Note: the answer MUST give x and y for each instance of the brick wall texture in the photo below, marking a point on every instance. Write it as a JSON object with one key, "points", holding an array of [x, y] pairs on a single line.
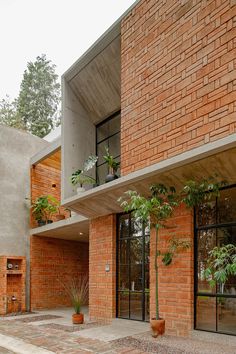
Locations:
{"points": [[176, 281], [102, 252], [42, 178], [54, 262], [12, 283], [178, 78]]}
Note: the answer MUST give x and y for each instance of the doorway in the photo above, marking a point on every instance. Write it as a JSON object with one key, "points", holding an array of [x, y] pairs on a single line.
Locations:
{"points": [[133, 248]]}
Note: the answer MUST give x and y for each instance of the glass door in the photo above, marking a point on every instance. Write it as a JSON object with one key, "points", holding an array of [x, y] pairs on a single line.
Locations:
{"points": [[132, 269]]}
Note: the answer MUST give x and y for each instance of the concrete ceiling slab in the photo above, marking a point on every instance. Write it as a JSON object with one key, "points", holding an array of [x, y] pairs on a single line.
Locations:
{"points": [[75, 228], [214, 158]]}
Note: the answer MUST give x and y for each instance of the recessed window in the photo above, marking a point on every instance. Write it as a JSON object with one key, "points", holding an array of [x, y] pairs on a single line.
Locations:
{"points": [[107, 135]]}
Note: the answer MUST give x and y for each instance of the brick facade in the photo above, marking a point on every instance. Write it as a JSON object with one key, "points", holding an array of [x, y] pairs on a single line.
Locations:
{"points": [[53, 260], [176, 281], [177, 78], [102, 252]]}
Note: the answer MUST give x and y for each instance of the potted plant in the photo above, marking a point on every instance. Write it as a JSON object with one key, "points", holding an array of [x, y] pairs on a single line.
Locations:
{"points": [[38, 207], [113, 166], [80, 178], [221, 264], [153, 211], [77, 289], [43, 208]]}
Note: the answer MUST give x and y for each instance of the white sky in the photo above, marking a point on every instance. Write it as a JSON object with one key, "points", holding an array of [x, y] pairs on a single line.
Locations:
{"points": [[61, 29]]}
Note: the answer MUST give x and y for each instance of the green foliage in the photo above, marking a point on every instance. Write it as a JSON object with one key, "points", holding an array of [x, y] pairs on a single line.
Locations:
{"points": [[9, 115], [221, 264], [39, 97], [112, 163], [174, 245], [44, 206], [77, 289], [78, 177], [156, 208], [153, 210], [201, 191]]}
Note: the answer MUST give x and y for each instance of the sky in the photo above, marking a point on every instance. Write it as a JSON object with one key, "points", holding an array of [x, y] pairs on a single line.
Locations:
{"points": [[61, 29]]}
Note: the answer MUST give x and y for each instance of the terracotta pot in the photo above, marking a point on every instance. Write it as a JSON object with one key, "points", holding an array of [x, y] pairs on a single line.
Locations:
{"points": [[78, 318], [59, 217], [157, 326]]}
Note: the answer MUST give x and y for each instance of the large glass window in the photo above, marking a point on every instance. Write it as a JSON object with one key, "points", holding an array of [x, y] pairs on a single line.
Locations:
{"points": [[107, 135], [132, 269], [215, 225]]}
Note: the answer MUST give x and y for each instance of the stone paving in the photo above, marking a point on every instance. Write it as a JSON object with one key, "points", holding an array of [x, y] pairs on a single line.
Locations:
{"points": [[18, 337]]}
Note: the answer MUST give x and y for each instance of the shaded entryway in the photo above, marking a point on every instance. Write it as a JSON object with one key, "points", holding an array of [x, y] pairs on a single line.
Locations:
{"points": [[133, 247]]}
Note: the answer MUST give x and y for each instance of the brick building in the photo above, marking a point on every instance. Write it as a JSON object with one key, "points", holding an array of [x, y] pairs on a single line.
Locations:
{"points": [[159, 89]]}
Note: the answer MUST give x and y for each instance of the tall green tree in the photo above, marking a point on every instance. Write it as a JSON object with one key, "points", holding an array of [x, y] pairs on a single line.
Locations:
{"points": [[39, 97], [9, 114]]}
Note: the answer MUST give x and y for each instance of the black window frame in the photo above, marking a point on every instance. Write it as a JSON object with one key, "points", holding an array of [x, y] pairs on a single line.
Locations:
{"points": [[114, 115], [143, 292], [197, 293]]}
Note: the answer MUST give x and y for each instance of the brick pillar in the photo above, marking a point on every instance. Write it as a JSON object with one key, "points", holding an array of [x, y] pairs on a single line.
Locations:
{"points": [[3, 286], [176, 281], [102, 253]]}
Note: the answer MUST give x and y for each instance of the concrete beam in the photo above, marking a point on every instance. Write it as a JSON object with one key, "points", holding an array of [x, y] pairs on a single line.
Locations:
{"points": [[46, 152]]}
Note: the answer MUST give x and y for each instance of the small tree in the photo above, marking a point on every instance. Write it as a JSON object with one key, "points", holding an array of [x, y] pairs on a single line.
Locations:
{"points": [[153, 211], [39, 97], [221, 264], [9, 115]]}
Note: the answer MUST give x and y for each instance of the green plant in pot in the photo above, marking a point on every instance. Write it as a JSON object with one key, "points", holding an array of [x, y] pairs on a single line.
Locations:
{"points": [[113, 166], [221, 265], [80, 177], [154, 211], [77, 290], [43, 208]]}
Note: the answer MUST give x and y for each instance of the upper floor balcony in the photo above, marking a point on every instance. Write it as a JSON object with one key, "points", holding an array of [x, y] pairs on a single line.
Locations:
{"points": [[50, 219]]}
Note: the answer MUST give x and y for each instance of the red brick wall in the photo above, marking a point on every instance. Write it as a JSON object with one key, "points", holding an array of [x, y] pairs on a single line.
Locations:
{"points": [[102, 251], [178, 75], [42, 178], [12, 282], [176, 281], [53, 259]]}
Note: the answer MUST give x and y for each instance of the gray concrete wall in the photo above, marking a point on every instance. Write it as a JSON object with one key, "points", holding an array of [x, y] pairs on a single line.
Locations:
{"points": [[16, 149], [78, 139]]}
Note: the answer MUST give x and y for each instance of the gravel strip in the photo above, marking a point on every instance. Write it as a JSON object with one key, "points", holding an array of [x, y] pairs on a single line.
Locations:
{"points": [[14, 314], [173, 345], [38, 318], [75, 328]]}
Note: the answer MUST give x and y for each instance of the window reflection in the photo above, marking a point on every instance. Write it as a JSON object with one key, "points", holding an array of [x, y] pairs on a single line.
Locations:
{"points": [[215, 226], [133, 268]]}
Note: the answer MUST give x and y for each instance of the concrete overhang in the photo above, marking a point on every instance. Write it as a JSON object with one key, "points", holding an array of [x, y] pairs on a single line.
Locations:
{"points": [[46, 152], [75, 228], [218, 157], [98, 46]]}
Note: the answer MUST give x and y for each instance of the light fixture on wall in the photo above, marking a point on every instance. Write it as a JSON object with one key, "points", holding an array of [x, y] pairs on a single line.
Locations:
{"points": [[54, 186]]}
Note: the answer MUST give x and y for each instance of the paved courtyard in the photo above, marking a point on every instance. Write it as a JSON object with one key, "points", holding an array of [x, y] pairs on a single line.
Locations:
{"points": [[51, 331]]}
